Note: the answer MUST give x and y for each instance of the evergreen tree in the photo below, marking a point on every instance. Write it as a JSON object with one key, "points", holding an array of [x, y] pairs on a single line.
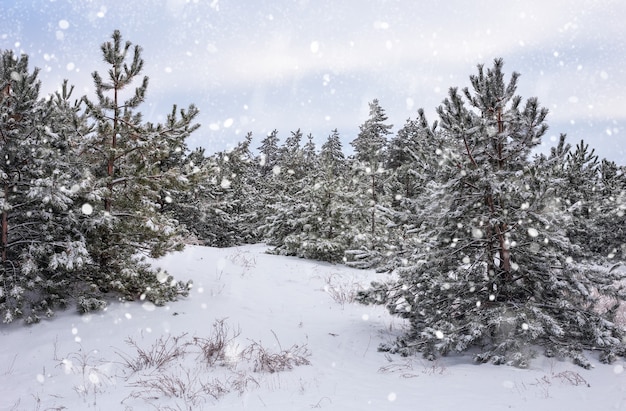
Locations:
{"points": [[371, 142], [610, 215], [242, 172], [286, 207], [580, 193], [134, 164], [413, 161], [200, 208], [322, 206], [41, 249], [291, 160], [369, 226], [310, 158], [495, 271], [268, 153], [412, 158]]}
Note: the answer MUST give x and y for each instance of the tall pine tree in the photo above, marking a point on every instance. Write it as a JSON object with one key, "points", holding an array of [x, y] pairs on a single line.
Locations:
{"points": [[495, 271], [134, 167]]}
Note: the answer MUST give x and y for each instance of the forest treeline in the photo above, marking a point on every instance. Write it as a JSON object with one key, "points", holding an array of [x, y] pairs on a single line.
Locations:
{"points": [[490, 246]]}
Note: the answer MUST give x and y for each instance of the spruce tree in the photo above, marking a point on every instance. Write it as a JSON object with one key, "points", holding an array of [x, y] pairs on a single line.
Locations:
{"points": [[495, 271], [268, 153]]}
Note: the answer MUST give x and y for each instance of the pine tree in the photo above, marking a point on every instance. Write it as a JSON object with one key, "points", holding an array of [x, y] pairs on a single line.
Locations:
{"points": [[285, 207], [322, 205], [42, 251], [269, 153], [369, 228], [610, 215], [134, 165], [413, 159], [580, 192], [241, 172], [195, 207], [495, 271]]}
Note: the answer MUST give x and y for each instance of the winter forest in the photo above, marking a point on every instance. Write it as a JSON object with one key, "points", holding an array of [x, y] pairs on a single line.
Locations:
{"points": [[482, 244]]}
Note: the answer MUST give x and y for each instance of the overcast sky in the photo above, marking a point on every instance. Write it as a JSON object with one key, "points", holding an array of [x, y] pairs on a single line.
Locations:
{"points": [[257, 65]]}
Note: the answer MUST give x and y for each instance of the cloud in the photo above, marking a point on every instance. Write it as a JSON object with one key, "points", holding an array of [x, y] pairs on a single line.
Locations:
{"points": [[317, 64]]}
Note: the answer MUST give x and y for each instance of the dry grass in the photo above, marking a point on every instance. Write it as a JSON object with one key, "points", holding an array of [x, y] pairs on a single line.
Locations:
{"points": [[162, 352], [342, 292], [243, 259], [264, 360], [220, 346], [184, 369]]}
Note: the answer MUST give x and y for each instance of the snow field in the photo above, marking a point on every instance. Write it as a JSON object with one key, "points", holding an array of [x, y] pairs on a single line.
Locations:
{"points": [[265, 332]]}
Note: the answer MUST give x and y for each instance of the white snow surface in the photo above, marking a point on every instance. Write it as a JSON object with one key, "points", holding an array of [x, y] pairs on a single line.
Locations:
{"points": [[278, 305]]}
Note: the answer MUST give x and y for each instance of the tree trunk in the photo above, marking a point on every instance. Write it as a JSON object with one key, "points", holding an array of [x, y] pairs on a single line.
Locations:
{"points": [[111, 159], [5, 226], [373, 203]]}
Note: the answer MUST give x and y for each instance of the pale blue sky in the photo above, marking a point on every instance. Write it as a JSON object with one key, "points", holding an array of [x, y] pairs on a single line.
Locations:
{"points": [[315, 64]]}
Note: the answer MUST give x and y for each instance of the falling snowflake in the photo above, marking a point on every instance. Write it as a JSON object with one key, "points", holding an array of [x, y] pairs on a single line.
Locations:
{"points": [[87, 209], [477, 233]]}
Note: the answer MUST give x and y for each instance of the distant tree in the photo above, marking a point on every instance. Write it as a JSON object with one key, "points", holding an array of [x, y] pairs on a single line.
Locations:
{"points": [[323, 210], [285, 205], [290, 159], [268, 153], [242, 173], [412, 157], [369, 225], [201, 208], [610, 215], [494, 272], [370, 153], [310, 158], [413, 163], [371, 142], [595, 195]]}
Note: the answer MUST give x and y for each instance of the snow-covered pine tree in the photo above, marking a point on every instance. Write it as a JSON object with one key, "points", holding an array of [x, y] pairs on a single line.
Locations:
{"points": [[495, 271], [42, 251], [610, 215], [413, 158], [369, 227], [268, 153], [310, 158], [240, 172], [592, 190], [134, 166], [285, 207], [580, 192], [196, 208], [323, 204]]}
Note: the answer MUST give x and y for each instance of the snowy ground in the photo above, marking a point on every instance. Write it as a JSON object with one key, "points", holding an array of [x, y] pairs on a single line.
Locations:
{"points": [[242, 340]]}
